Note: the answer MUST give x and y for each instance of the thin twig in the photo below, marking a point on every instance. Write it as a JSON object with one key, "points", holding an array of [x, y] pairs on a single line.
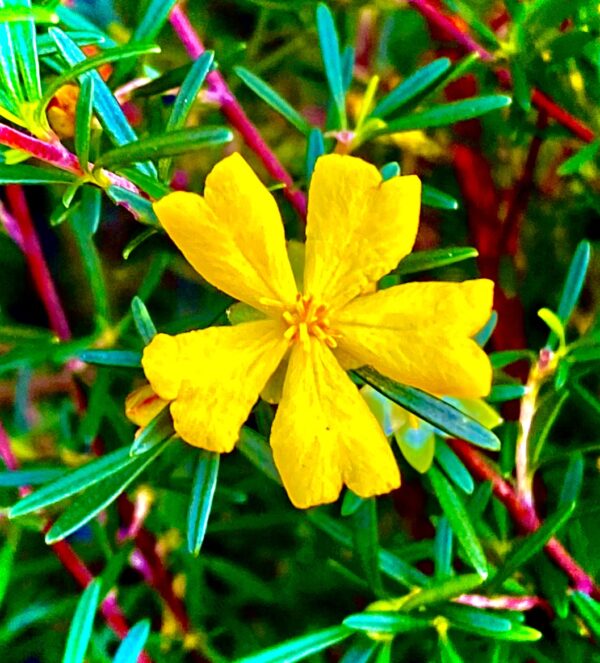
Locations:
{"points": [[235, 113]]}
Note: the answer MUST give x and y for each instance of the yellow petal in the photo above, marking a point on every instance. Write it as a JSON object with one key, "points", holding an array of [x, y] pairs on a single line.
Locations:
{"points": [[233, 236], [142, 405], [418, 334], [359, 228], [214, 377], [324, 434]]}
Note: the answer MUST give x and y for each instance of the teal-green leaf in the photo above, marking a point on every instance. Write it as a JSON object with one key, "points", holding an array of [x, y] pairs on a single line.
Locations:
{"points": [[142, 320], [422, 261], [431, 409], [443, 590], [385, 622], [389, 170], [123, 358], [274, 99], [25, 174], [330, 52], [365, 535], [501, 393], [131, 647], [83, 121], [411, 87], [589, 609], [300, 648], [459, 520], [437, 199], [203, 491], [315, 148], [453, 467], [98, 497], [33, 477], [25, 43], [154, 433], [573, 480], [445, 114], [81, 626]]}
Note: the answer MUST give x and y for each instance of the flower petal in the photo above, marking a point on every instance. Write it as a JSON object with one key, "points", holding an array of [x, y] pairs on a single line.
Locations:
{"points": [[418, 334], [359, 228], [324, 434], [233, 236], [214, 377], [142, 405]]}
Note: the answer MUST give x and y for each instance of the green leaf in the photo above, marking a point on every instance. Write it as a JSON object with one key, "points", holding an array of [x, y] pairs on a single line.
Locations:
{"points": [[422, 261], [35, 477], [442, 591], [81, 626], [531, 545], [23, 11], [98, 497], [411, 87], [107, 107], [256, 449], [555, 324], [350, 503], [543, 421], [24, 39], [315, 147], [385, 622], [477, 619], [442, 550], [360, 652], [83, 121], [576, 162], [459, 520], [516, 632], [123, 358], [431, 409], [203, 491], [73, 482], [300, 648], [47, 46], [573, 481], [89, 64], [501, 393], [365, 535], [453, 467], [347, 64], [391, 169], [9, 73], [24, 174], [443, 115], [139, 207], [152, 434], [330, 52], [7, 554], [169, 144], [271, 97], [142, 320], [589, 611], [507, 357], [137, 241], [573, 285], [433, 197], [131, 647]]}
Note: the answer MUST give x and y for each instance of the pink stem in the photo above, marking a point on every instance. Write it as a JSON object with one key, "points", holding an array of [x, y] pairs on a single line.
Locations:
{"points": [[518, 603], [235, 113]]}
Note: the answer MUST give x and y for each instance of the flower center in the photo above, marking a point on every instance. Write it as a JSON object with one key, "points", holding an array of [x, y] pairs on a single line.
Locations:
{"points": [[308, 319]]}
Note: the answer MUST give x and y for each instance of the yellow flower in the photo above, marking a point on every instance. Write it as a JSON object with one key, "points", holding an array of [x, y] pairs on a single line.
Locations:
{"points": [[358, 229]]}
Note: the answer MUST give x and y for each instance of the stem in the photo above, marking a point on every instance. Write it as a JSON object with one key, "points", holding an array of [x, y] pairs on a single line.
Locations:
{"points": [[524, 515], [236, 115], [538, 98]]}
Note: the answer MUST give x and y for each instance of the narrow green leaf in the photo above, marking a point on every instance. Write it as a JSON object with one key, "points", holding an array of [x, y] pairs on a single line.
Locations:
{"points": [[589, 611], [124, 358], [81, 626], [184, 103], [169, 144], [576, 162], [83, 121], [330, 52], [531, 545], [443, 115], [137, 241], [507, 357], [139, 207], [274, 99], [431, 409], [442, 550], [203, 491], [453, 467], [131, 647], [92, 63], [97, 498], [520, 83], [314, 149], [443, 590], [501, 393], [360, 652], [256, 449], [142, 320], [573, 481], [448, 653], [365, 535], [47, 46], [24, 39], [152, 434], [9, 73], [300, 648], [459, 520], [25, 174], [385, 622], [350, 503], [422, 261], [433, 197], [483, 336], [18, 478], [72, 483], [555, 324], [476, 618], [23, 11], [6, 566], [411, 87], [347, 60]]}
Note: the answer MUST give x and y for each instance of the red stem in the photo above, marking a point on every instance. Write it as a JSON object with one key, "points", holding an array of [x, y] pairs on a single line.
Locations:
{"points": [[524, 515], [235, 113], [36, 262], [539, 98]]}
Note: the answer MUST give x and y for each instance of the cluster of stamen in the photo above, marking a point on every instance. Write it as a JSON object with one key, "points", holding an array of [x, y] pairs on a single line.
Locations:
{"points": [[306, 319]]}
